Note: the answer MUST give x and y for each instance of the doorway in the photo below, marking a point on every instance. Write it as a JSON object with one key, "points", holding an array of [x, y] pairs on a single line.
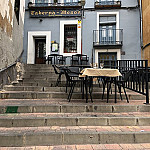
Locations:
{"points": [[109, 59], [40, 50]]}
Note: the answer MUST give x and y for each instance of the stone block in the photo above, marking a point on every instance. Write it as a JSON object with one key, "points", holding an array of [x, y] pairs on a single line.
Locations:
{"points": [[112, 138], [122, 121], [73, 109], [6, 122], [25, 109], [144, 121], [61, 121], [58, 95], [93, 121], [28, 122], [144, 108], [44, 139], [143, 137], [11, 140], [127, 108], [99, 108], [42, 95], [46, 109], [2, 109], [81, 138]]}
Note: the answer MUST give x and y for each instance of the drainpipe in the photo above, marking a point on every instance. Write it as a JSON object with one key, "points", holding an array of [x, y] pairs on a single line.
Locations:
{"points": [[141, 23], [82, 17]]}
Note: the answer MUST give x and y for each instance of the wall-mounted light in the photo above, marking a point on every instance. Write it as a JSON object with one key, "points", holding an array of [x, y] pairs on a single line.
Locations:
{"points": [[41, 20]]}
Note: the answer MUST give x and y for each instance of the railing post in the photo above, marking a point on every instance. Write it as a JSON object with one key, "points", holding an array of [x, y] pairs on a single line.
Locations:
{"points": [[146, 74]]}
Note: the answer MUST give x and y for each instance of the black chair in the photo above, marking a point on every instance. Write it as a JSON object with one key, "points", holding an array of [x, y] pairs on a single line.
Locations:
{"points": [[59, 71], [62, 60], [74, 72], [49, 59], [75, 60], [119, 82], [84, 60], [73, 78]]}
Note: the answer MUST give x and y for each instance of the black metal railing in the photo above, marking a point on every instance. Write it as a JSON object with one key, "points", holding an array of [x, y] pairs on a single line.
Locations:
{"points": [[107, 3], [67, 4], [108, 37], [138, 79]]}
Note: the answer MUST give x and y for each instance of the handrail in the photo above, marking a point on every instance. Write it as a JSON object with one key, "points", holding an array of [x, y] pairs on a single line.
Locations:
{"points": [[116, 37], [109, 2], [17, 60], [145, 46]]}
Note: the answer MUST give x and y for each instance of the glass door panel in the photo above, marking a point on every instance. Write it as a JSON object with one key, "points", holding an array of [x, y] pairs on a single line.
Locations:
{"points": [[109, 59], [40, 51], [107, 34]]}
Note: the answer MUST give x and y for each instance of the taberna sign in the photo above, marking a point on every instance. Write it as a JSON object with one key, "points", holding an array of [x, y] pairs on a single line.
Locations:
{"points": [[55, 13]]}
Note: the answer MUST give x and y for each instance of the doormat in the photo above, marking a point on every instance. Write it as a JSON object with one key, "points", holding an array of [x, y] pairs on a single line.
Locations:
{"points": [[11, 109]]}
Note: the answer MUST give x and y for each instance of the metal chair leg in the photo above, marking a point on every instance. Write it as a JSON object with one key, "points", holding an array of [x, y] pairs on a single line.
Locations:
{"points": [[71, 91], [125, 93], [119, 87], [104, 84], [58, 80], [91, 89]]}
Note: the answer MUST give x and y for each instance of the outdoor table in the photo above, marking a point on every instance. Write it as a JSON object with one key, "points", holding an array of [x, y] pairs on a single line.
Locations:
{"points": [[92, 72]]}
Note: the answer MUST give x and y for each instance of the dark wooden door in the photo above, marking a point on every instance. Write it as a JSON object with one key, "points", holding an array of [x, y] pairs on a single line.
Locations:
{"points": [[40, 51]]}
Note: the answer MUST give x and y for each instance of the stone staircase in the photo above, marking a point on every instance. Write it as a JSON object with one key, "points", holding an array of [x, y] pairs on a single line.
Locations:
{"points": [[34, 112]]}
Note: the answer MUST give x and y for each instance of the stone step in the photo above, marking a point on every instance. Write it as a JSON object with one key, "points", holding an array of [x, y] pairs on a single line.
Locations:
{"points": [[46, 89], [40, 69], [54, 135], [141, 146], [40, 83], [39, 73], [44, 79], [62, 95], [76, 119], [37, 65], [62, 106]]}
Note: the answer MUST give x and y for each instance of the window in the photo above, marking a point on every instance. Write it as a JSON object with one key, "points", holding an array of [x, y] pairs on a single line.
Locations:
{"points": [[17, 9], [107, 27], [70, 38], [70, 1], [106, 2], [41, 2]]}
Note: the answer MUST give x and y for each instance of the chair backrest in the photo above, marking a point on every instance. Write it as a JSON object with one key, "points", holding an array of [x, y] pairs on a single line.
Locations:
{"points": [[127, 75], [67, 71], [74, 69], [71, 72]]}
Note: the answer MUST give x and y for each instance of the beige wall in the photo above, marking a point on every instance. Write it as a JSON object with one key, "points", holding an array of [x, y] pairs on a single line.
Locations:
{"points": [[11, 34], [146, 28]]}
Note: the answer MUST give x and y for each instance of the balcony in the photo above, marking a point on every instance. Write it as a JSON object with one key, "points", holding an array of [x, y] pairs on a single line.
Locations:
{"points": [[77, 5], [107, 4], [108, 38]]}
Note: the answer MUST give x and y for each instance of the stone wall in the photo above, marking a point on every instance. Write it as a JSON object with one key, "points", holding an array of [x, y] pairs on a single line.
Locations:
{"points": [[11, 32], [146, 29]]}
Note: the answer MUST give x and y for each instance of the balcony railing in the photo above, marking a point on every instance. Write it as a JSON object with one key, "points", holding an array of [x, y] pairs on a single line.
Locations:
{"points": [[105, 4], [107, 37], [55, 5]]}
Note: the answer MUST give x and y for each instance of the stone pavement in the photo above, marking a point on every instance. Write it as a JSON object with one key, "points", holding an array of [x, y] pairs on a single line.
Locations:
{"points": [[142, 146], [34, 114]]}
